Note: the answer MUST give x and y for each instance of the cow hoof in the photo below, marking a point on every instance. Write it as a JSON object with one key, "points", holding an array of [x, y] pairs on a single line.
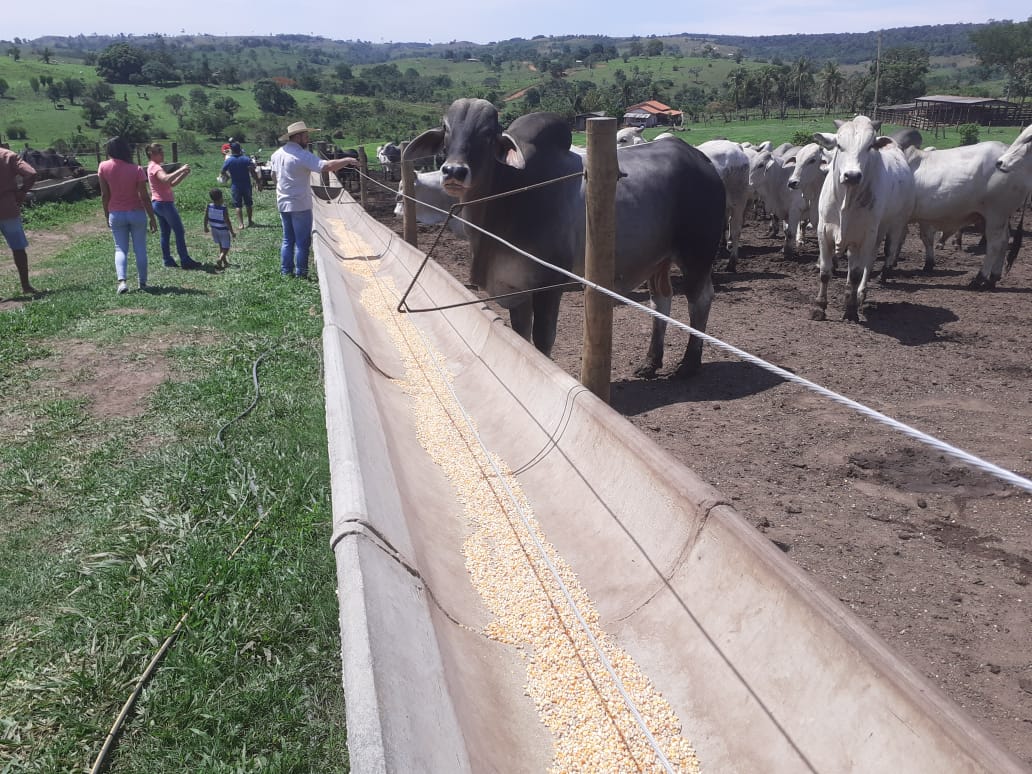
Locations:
{"points": [[686, 370], [884, 277], [817, 313], [851, 315], [981, 283], [646, 372], [732, 267], [928, 267]]}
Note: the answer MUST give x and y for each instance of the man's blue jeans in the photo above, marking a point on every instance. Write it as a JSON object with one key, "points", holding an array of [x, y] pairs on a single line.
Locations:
{"points": [[297, 242]]}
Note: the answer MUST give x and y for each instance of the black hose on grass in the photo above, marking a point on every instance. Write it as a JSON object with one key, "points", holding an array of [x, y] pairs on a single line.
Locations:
{"points": [[102, 760]]}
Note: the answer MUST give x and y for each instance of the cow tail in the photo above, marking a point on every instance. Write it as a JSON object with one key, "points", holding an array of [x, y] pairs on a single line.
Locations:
{"points": [[1016, 242]]}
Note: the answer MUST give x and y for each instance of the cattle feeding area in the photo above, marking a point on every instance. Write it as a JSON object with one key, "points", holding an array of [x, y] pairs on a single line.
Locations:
{"points": [[933, 556], [671, 205]]}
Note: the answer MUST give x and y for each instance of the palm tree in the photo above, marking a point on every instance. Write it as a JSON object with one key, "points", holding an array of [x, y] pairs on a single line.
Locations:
{"points": [[832, 81], [766, 87], [736, 83], [802, 77]]}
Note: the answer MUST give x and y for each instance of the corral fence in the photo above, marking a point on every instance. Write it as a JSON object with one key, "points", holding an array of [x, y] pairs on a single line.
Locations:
{"points": [[939, 112]]}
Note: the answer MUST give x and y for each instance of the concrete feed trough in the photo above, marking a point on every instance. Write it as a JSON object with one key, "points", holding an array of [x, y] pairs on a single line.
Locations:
{"points": [[527, 582]]}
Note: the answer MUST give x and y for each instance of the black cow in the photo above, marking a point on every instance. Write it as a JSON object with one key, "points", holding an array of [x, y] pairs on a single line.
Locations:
{"points": [[348, 176], [669, 206], [389, 156], [51, 165]]}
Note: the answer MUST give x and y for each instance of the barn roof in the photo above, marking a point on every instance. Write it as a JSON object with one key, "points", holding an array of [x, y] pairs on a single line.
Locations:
{"points": [[654, 107], [963, 100]]}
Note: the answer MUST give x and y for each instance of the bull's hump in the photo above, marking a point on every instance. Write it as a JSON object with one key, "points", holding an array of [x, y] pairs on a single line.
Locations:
{"points": [[542, 131]]}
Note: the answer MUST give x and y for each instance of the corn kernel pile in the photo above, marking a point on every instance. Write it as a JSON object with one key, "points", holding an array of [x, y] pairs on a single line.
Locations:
{"points": [[574, 694]]}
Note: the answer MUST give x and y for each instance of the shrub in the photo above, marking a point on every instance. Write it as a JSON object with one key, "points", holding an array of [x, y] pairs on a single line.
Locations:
{"points": [[17, 132], [968, 134], [77, 143], [188, 143], [802, 138]]}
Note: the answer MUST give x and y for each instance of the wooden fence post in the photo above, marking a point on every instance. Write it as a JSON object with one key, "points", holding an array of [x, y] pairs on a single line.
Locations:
{"points": [[408, 203], [175, 152], [600, 254], [363, 165]]}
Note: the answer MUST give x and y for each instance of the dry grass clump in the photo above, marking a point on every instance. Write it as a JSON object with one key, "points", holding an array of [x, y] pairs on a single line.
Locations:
{"points": [[575, 696]]}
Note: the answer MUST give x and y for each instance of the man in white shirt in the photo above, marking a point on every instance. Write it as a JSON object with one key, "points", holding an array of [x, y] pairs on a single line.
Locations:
{"points": [[293, 165]]}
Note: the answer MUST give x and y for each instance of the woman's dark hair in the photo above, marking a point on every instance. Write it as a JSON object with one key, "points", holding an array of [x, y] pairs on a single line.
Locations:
{"points": [[117, 148]]}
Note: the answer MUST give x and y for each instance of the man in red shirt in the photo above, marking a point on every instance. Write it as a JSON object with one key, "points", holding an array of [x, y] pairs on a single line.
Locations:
{"points": [[12, 195]]}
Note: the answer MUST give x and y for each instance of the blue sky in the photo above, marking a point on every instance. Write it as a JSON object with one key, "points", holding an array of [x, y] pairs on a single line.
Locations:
{"points": [[483, 22]]}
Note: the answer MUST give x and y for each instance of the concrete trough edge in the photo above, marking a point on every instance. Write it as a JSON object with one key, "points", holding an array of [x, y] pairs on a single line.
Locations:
{"points": [[398, 711]]}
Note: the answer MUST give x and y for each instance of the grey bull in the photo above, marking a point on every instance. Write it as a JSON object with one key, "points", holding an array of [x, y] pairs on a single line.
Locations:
{"points": [[669, 207]]}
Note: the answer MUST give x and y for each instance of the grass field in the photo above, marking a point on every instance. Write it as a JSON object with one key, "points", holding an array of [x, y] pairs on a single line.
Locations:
{"points": [[120, 501]]}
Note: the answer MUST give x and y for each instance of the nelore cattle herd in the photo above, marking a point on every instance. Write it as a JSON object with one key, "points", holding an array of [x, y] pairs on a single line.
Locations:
{"points": [[678, 203]]}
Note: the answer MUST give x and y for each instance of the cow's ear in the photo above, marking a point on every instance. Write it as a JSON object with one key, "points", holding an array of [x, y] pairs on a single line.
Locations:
{"points": [[789, 162], [426, 145], [826, 140], [839, 123], [509, 152], [881, 142], [876, 125]]}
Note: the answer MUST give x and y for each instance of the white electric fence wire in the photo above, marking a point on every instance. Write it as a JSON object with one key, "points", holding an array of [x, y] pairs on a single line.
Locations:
{"points": [[571, 602], [995, 470]]}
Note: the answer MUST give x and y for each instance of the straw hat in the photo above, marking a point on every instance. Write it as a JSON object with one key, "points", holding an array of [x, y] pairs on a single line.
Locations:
{"points": [[295, 128]]}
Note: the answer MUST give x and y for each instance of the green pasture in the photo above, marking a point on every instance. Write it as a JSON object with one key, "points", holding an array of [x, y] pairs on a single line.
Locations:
{"points": [[45, 123], [468, 76], [119, 504], [688, 72]]}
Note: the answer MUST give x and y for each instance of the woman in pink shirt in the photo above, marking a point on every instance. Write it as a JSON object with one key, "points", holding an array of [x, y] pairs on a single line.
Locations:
{"points": [[127, 207], [164, 202]]}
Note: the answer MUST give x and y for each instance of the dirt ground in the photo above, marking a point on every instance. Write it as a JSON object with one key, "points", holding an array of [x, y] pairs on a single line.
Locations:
{"points": [[933, 555]]}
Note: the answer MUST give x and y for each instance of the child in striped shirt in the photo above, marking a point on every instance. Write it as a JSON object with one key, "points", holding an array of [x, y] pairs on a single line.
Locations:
{"points": [[215, 216]]}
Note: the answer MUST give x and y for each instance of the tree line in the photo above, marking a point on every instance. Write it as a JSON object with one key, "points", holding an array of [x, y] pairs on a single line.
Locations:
{"points": [[758, 84]]}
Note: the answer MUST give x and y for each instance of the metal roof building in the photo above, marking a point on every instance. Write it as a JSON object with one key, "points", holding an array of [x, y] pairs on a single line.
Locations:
{"points": [[651, 113], [949, 110]]}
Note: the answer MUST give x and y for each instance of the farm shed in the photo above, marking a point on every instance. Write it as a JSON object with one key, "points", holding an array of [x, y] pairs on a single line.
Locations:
{"points": [[652, 113], [580, 121], [946, 110]]}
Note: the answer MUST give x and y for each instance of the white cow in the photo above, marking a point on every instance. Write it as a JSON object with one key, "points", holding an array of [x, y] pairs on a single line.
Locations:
{"points": [[752, 151], [630, 135], [769, 177], [867, 198], [984, 182], [732, 165], [432, 203], [809, 167]]}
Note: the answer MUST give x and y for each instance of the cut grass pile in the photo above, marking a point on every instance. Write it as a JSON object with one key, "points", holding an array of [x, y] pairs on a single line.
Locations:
{"points": [[118, 505]]}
